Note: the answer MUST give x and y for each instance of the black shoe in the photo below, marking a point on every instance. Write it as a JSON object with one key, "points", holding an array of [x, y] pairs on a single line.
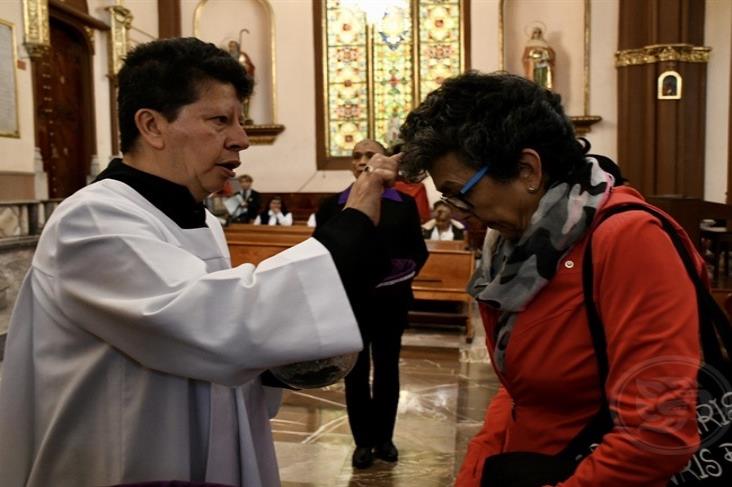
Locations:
{"points": [[387, 451], [362, 457]]}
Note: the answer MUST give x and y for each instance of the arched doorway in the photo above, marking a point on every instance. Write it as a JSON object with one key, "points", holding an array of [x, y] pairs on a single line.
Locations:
{"points": [[65, 108]]}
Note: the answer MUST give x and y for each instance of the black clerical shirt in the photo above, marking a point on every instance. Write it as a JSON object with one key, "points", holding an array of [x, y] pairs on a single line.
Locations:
{"points": [[174, 200]]}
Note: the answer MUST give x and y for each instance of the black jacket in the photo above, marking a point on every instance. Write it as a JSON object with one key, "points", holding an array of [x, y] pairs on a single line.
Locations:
{"points": [[400, 235]]}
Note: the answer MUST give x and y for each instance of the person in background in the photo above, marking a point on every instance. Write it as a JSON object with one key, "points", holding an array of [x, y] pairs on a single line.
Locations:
{"points": [[276, 215], [311, 220], [251, 201], [501, 150], [372, 408], [443, 226]]}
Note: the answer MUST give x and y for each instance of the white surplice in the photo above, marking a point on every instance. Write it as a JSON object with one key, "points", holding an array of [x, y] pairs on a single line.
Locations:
{"points": [[134, 349]]}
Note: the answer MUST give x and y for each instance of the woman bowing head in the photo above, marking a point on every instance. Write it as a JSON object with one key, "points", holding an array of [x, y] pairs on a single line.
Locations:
{"points": [[502, 151]]}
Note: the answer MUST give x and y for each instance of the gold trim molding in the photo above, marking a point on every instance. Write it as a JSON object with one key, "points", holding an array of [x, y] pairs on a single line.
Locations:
{"points": [[657, 53], [263, 134], [36, 31], [90, 35], [582, 124], [120, 22]]}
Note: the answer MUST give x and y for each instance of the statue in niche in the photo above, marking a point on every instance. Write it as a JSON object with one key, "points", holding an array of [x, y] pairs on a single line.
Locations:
{"points": [[234, 48], [539, 60]]}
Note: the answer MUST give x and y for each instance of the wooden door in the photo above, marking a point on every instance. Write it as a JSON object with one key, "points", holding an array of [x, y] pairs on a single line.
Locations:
{"points": [[65, 122]]}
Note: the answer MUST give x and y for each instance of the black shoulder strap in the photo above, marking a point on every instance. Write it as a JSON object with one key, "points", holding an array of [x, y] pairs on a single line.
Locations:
{"points": [[715, 330]]}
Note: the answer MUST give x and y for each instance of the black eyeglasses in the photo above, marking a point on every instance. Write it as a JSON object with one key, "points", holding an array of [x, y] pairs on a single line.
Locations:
{"points": [[459, 200]]}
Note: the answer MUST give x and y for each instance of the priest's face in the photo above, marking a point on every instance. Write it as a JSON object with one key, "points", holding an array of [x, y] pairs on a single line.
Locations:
{"points": [[204, 141]]}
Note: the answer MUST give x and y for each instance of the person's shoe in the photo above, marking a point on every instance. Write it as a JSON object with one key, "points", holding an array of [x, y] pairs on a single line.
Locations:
{"points": [[387, 451], [362, 457]]}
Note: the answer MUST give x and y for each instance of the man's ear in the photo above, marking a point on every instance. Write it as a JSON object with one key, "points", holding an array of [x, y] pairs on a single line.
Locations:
{"points": [[151, 124], [530, 170]]}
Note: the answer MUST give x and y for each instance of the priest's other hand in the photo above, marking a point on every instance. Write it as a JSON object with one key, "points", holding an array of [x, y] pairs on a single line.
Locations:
{"points": [[380, 173]]}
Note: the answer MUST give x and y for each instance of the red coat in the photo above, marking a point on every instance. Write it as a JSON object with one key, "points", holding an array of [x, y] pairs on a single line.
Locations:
{"points": [[649, 312], [419, 193]]}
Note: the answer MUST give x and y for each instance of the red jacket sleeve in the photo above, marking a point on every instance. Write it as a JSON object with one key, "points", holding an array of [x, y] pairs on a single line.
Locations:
{"points": [[648, 307], [489, 441]]}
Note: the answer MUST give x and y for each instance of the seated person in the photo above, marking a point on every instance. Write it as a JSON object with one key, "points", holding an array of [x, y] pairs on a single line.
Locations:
{"points": [[276, 215], [442, 226]]}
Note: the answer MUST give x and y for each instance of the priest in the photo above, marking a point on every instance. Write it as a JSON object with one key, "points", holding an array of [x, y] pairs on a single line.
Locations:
{"points": [[135, 352]]}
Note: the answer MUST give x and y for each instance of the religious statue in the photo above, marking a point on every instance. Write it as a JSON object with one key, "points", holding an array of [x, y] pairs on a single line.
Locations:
{"points": [[234, 48], [539, 60]]}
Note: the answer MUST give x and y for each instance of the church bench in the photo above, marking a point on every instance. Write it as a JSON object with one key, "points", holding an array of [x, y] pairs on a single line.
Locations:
{"points": [[250, 229], [249, 251], [443, 279], [254, 243]]}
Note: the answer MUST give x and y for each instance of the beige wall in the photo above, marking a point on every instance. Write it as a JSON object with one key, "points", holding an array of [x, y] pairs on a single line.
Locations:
{"points": [[717, 25], [16, 155], [289, 165]]}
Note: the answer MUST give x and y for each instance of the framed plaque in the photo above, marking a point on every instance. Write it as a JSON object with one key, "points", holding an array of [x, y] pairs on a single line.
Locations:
{"points": [[669, 86], [8, 82]]}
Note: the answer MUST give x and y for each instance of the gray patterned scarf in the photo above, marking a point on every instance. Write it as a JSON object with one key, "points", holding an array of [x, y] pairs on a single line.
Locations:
{"points": [[512, 273]]}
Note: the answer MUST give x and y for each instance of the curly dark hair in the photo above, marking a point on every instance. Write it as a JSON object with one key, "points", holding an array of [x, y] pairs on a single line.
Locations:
{"points": [[164, 75], [489, 119]]}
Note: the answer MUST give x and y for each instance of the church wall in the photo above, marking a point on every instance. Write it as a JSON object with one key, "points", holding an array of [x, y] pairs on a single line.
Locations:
{"points": [[289, 165], [100, 70], [16, 154], [603, 77], [717, 34], [145, 28]]}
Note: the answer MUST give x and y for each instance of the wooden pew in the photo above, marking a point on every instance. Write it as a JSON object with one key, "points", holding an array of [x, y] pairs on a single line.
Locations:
{"points": [[275, 231], [254, 243], [444, 278]]}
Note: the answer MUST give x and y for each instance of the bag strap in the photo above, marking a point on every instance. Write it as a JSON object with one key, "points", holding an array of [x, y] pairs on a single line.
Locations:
{"points": [[714, 326]]}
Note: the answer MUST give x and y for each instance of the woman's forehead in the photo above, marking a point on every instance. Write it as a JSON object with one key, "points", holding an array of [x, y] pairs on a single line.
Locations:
{"points": [[448, 171]]}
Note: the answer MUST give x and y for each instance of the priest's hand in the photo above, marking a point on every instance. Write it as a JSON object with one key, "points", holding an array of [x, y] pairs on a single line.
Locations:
{"points": [[379, 174]]}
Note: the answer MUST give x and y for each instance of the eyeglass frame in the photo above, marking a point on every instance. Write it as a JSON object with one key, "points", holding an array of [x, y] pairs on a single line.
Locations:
{"points": [[459, 200]]}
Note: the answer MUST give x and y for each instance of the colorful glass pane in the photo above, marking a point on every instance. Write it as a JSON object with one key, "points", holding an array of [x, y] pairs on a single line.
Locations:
{"points": [[440, 43], [346, 76], [371, 97], [393, 72]]}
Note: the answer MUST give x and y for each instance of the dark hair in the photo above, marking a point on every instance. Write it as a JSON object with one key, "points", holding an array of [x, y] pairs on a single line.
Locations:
{"points": [[164, 75], [489, 119]]}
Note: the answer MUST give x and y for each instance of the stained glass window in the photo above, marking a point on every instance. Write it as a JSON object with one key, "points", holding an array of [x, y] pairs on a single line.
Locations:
{"points": [[373, 75]]}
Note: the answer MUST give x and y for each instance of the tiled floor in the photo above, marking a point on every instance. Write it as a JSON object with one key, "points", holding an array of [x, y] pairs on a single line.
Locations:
{"points": [[445, 386]]}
